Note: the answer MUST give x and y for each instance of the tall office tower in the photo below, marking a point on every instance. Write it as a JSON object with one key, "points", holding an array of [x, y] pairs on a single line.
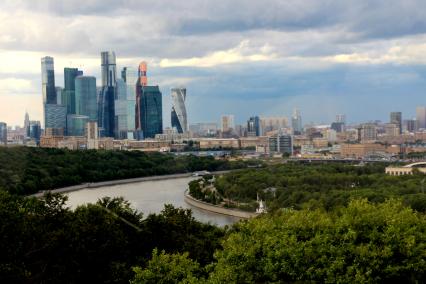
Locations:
{"points": [[341, 118], [368, 132], [76, 124], [141, 82], [106, 111], [48, 80], [142, 71], [48, 85], [338, 126], [108, 68], [227, 122], [59, 95], [56, 117], [281, 143], [253, 126], [68, 94], [120, 107], [410, 125], [421, 116], [396, 118], [178, 116], [296, 122], [150, 111], [92, 135], [85, 97], [34, 131], [130, 77], [27, 124], [3, 133]]}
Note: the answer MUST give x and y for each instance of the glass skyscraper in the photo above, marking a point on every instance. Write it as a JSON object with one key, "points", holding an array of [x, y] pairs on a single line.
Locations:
{"points": [[106, 104], [76, 124], [151, 111], [253, 126], [179, 117], [85, 97], [130, 76], [121, 113], [34, 131], [3, 133], [48, 87], [55, 116], [69, 89], [296, 122]]}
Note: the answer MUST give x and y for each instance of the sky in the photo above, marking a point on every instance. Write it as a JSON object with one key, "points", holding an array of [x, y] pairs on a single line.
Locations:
{"points": [[326, 57]]}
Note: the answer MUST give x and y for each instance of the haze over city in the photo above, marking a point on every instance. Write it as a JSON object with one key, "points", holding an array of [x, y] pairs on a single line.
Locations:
{"points": [[246, 58]]}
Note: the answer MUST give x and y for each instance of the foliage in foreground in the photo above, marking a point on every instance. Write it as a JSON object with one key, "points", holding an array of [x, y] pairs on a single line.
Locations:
{"points": [[42, 241], [362, 243]]}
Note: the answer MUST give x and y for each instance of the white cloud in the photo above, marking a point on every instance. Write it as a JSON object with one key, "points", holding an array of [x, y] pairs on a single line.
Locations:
{"points": [[12, 86], [242, 53]]}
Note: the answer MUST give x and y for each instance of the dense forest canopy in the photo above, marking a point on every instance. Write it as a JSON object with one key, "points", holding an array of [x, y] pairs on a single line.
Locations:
{"points": [[327, 223], [296, 185], [25, 170]]}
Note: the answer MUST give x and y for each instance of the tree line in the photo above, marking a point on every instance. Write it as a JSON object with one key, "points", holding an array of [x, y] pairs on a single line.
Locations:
{"points": [[25, 170], [296, 185]]}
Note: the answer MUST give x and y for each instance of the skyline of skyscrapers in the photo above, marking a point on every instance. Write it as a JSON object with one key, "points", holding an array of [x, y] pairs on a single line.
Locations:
{"points": [[179, 118]]}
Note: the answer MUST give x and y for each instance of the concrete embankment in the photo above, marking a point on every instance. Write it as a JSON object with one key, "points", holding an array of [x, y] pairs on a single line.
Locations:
{"points": [[217, 209], [118, 182]]}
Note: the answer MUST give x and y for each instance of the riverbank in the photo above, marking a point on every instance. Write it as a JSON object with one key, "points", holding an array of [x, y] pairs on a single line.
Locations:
{"points": [[217, 209], [117, 182]]}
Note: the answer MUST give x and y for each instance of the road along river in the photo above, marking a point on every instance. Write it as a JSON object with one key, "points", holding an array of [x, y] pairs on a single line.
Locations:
{"points": [[149, 197]]}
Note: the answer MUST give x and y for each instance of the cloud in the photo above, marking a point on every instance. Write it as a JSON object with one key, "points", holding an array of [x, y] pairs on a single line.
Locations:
{"points": [[242, 53], [16, 86]]}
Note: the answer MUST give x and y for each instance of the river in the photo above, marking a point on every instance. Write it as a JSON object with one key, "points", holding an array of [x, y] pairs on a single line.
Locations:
{"points": [[149, 197]]}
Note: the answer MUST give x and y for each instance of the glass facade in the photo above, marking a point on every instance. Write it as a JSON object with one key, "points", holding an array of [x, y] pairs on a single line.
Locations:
{"points": [[121, 110], [76, 124], [281, 144], [179, 117], [34, 131], [130, 76], [85, 97], [106, 112], [151, 111], [107, 95], [69, 89], [48, 80], [253, 126], [3, 133], [55, 116]]}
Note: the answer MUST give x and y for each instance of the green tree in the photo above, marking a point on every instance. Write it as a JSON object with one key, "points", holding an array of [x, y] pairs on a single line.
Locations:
{"points": [[168, 269], [358, 244]]}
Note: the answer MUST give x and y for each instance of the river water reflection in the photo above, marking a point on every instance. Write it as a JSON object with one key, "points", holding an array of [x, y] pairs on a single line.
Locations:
{"points": [[149, 197]]}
